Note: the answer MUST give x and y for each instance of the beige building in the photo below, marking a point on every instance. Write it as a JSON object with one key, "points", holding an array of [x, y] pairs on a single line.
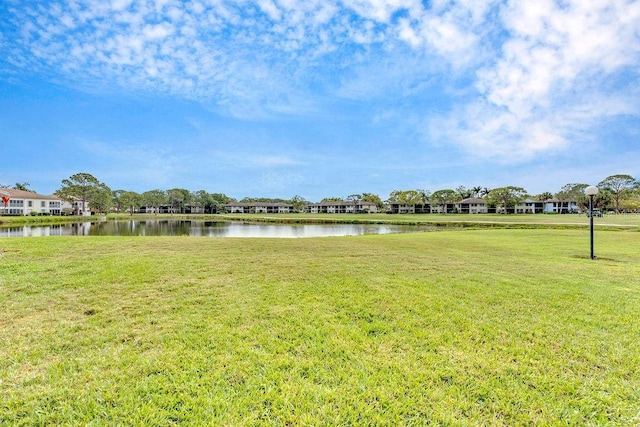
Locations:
{"points": [[27, 203], [471, 205]]}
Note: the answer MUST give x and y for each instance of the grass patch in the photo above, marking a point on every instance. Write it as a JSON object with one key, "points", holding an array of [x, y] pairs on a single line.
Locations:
{"points": [[497, 327]]}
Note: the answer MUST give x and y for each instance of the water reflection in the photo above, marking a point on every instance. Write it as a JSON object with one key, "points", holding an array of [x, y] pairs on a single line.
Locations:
{"points": [[204, 228]]}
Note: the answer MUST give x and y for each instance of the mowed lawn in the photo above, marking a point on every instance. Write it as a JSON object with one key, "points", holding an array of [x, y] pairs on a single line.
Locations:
{"points": [[471, 327]]}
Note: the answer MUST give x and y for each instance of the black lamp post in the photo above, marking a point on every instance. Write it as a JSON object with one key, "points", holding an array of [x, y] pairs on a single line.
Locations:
{"points": [[591, 191]]}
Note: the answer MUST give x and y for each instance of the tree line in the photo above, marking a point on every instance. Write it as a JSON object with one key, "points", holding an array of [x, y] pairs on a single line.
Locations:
{"points": [[618, 192]]}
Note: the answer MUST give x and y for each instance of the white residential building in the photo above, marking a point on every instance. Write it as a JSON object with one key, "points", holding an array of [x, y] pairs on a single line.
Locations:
{"points": [[27, 203], [342, 207], [471, 205], [259, 208]]}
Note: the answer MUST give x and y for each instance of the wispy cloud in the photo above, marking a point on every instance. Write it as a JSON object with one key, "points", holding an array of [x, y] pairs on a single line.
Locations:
{"points": [[551, 79], [534, 74]]}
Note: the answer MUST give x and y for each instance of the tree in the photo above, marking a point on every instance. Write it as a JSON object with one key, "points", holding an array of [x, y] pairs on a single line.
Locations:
{"points": [[298, 203], [409, 197], [442, 197], [126, 200], [600, 200], [373, 198], [179, 198], [88, 189], [354, 199], [220, 199], [211, 202], [506, 196], [571, 191], [23, 186], [543, 197], [619, 186], [477, 191], [631, 203], [463, 192], [155, 199], [102, 200]]}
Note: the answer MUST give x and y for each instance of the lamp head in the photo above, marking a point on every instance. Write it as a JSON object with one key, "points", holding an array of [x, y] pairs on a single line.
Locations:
{"points": [[591, 190]]}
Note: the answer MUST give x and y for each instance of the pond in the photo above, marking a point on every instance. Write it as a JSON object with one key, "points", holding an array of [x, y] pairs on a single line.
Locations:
{"points": [[205, 229]]}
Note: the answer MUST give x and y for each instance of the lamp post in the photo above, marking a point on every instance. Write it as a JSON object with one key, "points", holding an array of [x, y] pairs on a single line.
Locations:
{"points": [[591, 191]]}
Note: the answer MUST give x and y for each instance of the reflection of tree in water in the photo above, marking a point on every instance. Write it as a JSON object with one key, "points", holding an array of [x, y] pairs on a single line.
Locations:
{"points": [[204, 229], [142, 228]]}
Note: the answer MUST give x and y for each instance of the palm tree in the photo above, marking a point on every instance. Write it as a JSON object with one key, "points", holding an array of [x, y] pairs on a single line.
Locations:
{"points": [[543, 197], [22, 186]]}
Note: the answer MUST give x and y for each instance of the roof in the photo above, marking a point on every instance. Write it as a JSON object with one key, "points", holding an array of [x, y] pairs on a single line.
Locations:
{"points": [[267, 204], [343, 203], [472, 200], [21, 194]]}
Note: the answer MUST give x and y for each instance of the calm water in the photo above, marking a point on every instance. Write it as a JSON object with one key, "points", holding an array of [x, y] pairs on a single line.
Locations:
{"points": [[205, 228]]}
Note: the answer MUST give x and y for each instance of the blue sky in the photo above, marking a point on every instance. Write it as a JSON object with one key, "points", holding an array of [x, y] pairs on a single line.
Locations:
{"points": [[319, 98]]}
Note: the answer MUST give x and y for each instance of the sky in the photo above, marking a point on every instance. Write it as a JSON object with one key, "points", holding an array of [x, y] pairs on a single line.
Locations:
{"points": [[319, 98]]}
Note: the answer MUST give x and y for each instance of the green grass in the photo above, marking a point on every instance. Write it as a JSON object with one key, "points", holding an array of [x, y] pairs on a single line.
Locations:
{"points": [[473, 327]]}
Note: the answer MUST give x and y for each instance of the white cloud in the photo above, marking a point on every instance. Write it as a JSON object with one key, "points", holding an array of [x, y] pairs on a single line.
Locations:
{"points": [[542, 71], [160, 31], [551, 78], [270, 9]]}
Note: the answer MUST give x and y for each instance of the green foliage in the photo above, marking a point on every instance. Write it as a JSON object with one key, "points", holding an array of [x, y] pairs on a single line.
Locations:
{"points": [[443, 197], [373, 198], [24, 186], [212, 202], [298, 203], [263, 200], [179, 198], [619, 186], [374, 330], [88, 189], [126, 200], [155, 198], [543, 197], [409, 197], [506, 196], [601, 200], [571, 191], [463, 192]]}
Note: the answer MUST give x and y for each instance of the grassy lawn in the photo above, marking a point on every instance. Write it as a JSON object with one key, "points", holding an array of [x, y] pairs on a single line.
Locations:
{"points": [[469, 327]]}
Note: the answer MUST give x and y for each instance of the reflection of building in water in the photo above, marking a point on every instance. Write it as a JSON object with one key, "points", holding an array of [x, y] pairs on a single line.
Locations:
{"points": [[204, 228], [81, 229]]}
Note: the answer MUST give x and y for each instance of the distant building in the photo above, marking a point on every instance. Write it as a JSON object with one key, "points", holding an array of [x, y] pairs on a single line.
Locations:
{"points": [[76, 207], [342, 206], [399, 208], [259, 207], [548, 206], [25, 202], [471, 205]]}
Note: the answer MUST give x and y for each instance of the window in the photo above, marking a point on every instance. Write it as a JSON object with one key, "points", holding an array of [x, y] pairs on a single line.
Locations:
{"points": [[30, 203], [42, 204]]}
